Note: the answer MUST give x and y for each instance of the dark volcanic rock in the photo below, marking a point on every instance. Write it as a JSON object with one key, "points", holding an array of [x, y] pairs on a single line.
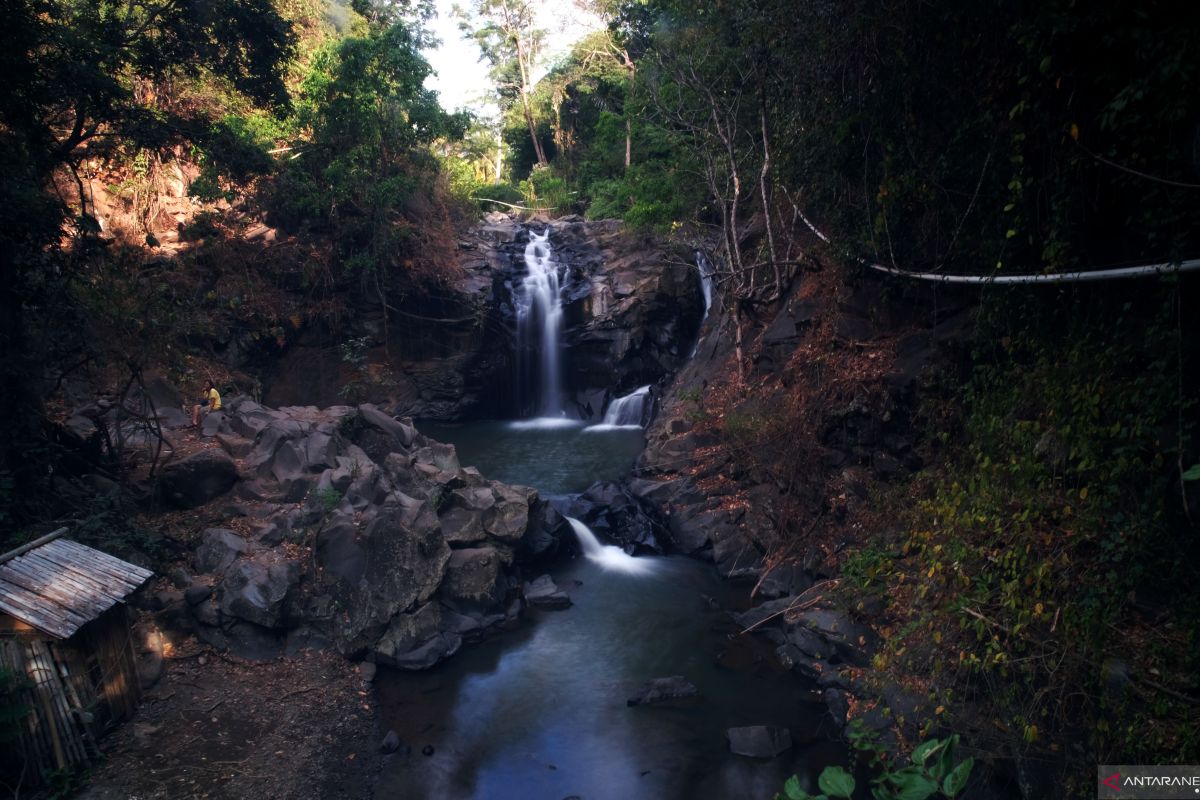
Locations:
{"points": [[759, 741], [612, 512], [219, 547], [544, 593], [198, 478], [660, 690], [257, 592]]}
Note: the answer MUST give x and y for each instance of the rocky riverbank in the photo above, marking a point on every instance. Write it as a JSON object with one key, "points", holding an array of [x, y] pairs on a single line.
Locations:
{"points": [[347, 528]]}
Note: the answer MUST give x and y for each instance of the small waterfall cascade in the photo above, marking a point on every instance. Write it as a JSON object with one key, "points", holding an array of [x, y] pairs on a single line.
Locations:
{"points": [[628, 410], [608, 556], [706, 281], [539, 328], [705, 271], [625, 412]]}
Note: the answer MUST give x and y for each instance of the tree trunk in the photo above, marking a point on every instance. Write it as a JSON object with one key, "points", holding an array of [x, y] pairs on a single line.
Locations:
{"points": [[537, 146], [499, 155], [628, 142], [521, 59], [764, 187]]}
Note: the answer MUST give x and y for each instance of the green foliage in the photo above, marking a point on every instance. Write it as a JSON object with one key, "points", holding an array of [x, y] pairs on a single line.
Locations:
{"points": [[694, 397], [328, 499], [364, 172], [1057, 509], [934, 772], [112, 527], [548, 192], [368, 379]]}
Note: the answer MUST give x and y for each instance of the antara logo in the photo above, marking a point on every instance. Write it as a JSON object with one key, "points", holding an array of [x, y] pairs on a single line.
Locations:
{"points": [[1113, 781]]}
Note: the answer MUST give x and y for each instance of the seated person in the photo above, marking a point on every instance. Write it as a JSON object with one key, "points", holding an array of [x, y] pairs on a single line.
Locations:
{"points": [[210, 400]]}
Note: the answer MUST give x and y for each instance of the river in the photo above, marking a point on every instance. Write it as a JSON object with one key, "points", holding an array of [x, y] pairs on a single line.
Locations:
{"points": [[540, 711]]}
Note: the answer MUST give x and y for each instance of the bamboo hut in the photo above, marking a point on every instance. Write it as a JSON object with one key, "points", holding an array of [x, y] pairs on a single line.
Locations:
{"points": [[65, 636]]}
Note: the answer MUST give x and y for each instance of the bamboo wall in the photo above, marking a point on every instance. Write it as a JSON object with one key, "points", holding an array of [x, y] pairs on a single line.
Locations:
{"points": [[73, 689]]}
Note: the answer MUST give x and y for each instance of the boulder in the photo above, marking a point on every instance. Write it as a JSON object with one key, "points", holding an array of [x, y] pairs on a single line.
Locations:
{"points": [[661, 690], [735, 552], [172, 418], [507, 518], [212, 423], [197, 594], [473, 575], [544, 593], [759, 741], [548, 533], [390, 743], [320, 451], [610, 510], [442, 456], [258, 593], [417, 640], [782, 580], [198, 478], [462, 526], [394, 566], [236, 446], [379, 433], [219, 547]]}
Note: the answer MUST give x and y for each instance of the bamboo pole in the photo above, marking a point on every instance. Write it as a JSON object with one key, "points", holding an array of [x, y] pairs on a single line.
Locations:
{"points": [[25, 548]]}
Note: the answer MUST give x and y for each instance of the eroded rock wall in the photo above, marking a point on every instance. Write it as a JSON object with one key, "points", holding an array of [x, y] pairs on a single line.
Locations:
{"points": [[632, 306]]}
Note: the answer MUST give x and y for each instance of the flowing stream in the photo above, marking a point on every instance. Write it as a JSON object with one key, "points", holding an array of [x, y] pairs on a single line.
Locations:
{"points": [[539, 712]]}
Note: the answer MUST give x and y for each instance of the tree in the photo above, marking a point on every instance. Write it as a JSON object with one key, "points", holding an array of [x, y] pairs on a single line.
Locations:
{"points": [[81, 77], [366, 175], [511, 43]]}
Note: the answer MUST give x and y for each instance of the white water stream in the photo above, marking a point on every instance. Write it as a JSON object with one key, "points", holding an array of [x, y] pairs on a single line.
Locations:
{"points": [[539, 321], [608, 556]]}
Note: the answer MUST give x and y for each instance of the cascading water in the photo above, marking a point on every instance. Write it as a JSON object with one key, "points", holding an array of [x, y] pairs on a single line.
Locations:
{"points": [[704, 268], [606, 555], [539, 326], [706, 281], [624, 412], [627, 410]]}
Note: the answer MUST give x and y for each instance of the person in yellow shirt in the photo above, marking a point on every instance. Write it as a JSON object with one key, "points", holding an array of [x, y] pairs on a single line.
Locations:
{"points": [[210, 400]]}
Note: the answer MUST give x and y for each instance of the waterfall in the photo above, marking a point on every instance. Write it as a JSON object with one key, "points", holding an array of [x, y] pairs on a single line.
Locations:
{"points": [[706, 281], [705, 270], [627, 410], [624, 412], [606, 555], [539, 326]]}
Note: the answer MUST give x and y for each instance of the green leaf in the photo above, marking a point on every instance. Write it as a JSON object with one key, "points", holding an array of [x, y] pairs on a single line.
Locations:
{"points": [[925, 750], [1192, 474], [912, 784], [836, 782], [945, 760], [956, 781], [792, 789]]}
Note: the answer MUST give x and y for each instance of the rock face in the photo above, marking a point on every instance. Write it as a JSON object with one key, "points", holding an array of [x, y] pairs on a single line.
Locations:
{"points": [[411, 555], [631, 311]]}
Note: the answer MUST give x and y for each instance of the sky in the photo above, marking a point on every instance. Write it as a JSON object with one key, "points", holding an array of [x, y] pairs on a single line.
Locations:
{"points": [[461, 79]]}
